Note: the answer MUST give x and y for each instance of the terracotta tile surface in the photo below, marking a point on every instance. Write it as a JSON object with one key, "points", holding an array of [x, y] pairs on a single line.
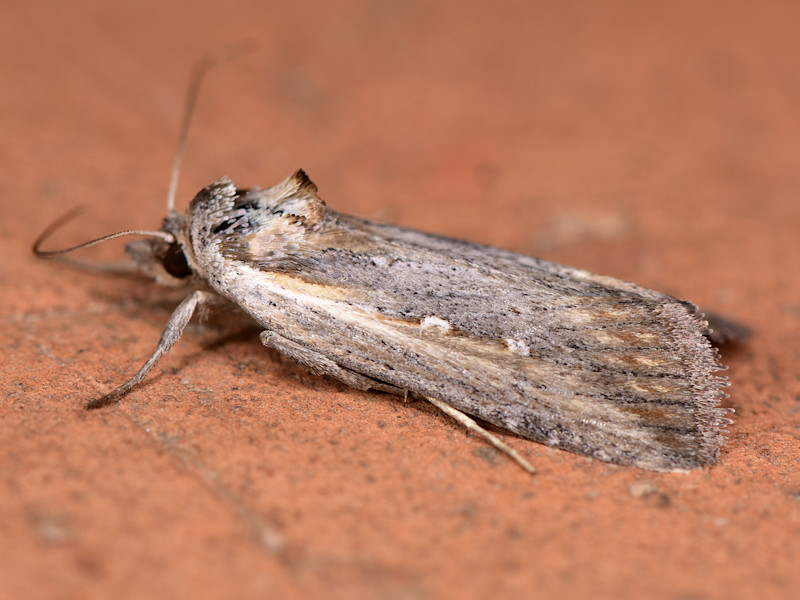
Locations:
{"points": [[658, 143]]}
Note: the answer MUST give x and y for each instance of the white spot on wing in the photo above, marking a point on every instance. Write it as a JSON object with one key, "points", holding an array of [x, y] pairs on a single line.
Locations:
{"points": [[435, 323], [518, 347]]}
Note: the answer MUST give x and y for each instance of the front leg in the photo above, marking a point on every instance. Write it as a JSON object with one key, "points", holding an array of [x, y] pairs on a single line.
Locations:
{"points": [[171, 334], [319, 364]]}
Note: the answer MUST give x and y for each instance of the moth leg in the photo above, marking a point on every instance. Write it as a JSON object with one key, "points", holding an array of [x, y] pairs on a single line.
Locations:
{"points": [[319, 364], [472, 426], [171, 334], [408, 398]]}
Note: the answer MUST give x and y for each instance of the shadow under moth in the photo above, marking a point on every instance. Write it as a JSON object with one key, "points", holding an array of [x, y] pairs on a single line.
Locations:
{"points": [[581, 362]]}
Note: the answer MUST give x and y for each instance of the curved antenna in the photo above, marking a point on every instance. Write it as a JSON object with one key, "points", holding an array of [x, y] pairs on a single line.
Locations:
{"points": [[61, 221], [201, 67], [198, 73]]}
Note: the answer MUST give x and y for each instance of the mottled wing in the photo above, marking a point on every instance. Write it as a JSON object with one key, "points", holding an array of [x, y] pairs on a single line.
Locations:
{"points": [[577, 361]]}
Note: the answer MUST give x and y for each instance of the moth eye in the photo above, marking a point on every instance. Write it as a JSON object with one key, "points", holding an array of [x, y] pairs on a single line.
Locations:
{"points": [[175, 262]]}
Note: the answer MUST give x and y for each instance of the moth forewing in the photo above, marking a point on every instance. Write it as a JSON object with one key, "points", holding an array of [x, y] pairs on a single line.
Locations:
{"points": [[577, 361]]}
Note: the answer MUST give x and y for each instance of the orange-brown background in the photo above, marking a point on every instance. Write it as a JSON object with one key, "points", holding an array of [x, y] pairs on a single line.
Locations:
{"points": [[657, 142]]}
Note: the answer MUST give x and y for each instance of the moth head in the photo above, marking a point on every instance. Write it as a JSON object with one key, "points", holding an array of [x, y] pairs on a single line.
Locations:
{"points": [[164, 258], [165, 262]]}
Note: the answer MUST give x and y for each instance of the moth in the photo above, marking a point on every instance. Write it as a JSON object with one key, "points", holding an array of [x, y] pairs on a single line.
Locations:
{"points": [[577, 361]]}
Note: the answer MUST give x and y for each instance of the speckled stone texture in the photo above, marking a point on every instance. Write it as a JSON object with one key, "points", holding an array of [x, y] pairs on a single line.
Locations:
{"points": [[657, 143]]}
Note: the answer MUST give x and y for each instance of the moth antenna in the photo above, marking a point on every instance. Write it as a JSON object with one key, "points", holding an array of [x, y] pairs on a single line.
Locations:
{"points": [[201, 67], [63, 220]]}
